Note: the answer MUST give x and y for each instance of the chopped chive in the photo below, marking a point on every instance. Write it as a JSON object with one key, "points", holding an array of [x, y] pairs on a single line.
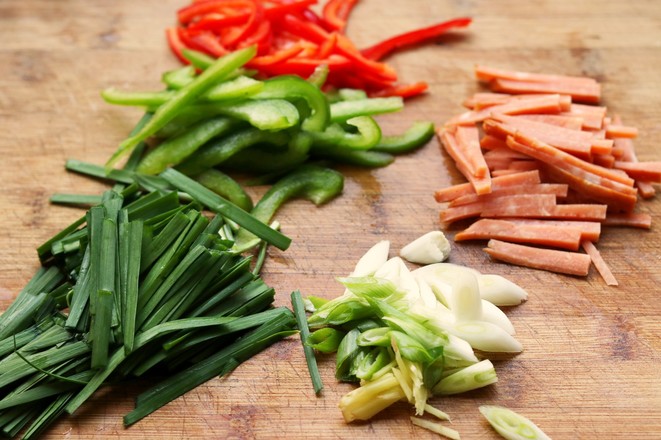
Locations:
{"points": [[221, 206], [301, 321], [182, 382], [75, 199], [130, 301]]}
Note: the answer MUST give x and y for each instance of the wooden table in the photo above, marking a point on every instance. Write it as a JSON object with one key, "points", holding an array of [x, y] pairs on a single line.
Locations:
{"points": [[591, 365]]}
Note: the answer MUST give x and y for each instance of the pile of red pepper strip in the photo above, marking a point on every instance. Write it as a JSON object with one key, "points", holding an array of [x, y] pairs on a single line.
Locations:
{"points": [[293, 39]]}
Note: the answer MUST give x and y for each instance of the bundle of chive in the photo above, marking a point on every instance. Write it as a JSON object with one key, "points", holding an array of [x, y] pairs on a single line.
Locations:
{"points": [[141, 283]]}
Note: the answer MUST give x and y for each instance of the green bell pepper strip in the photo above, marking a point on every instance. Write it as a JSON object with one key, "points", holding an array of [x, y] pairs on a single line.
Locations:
{"points": [[264, 114], [236, 88], [186, 95], [369, 134], [226, 187], [319, 76], [261, 160], [343, 110], [351, 94], [239, 87], [175, 150], [292, 87], [368, 159], [416, 136], [218, 151], [176, 79], [316, 184], [198, 59]]}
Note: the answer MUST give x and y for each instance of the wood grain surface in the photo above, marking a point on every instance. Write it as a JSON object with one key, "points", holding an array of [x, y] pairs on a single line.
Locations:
{"points": [[591, 365]]}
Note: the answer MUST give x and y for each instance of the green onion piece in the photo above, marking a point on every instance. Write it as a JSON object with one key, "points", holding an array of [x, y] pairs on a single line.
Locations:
{"points": [[436, 427], [301, 320], [325, 340], [470, 378], [511, 425], [184, 96], [100, 330], [225, 208], [415, 137]]}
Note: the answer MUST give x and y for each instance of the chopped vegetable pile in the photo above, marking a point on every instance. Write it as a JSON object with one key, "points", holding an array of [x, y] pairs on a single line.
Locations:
{"points": [[291, 38], [221, 120], [142, 284], [409, 335], [544, 172]]}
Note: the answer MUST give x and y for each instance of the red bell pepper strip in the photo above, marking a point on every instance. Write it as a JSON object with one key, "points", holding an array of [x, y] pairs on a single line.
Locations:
{"points": [[403, 90], [217, 24], [424, 35], [235, 35], [336, 13], [175, 44], [282, 55], [261, 37], [305, 29], [327, 47], [202, 41], [189, 13], [380, 70]]}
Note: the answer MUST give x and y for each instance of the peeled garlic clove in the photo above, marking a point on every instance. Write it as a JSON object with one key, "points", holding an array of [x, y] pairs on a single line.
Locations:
{"points": [[432, 247]]}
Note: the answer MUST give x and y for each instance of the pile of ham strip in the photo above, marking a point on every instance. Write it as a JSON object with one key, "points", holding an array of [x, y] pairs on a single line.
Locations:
{"points": [[546, 168]]}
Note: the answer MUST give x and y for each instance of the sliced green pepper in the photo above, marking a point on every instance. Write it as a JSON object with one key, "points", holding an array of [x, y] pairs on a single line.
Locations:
{"points": [[239, 87], [369, 134], [416, 136], [218, 151], [316, 184], [226, 187], [175, 150], [198, 59], [263, 160], [291, 87], [319, 76], [369, 159], [176, 79], [166, 112], [343, 110]]}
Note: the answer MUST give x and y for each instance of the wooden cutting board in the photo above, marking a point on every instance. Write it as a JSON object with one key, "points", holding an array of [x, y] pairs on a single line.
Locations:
{"points": [[590, 368]]}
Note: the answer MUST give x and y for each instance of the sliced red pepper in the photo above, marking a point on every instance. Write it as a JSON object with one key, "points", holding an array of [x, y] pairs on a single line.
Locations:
{"points": [[217, 24], [304, 67], [279, 10], [336, 13], [305, 29], [282, 55], [327, 47], [419, 36], [346, 48], [189, 13], [234, 36], [204, 41], [261, 37], [175, 44], [403, 90]]}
